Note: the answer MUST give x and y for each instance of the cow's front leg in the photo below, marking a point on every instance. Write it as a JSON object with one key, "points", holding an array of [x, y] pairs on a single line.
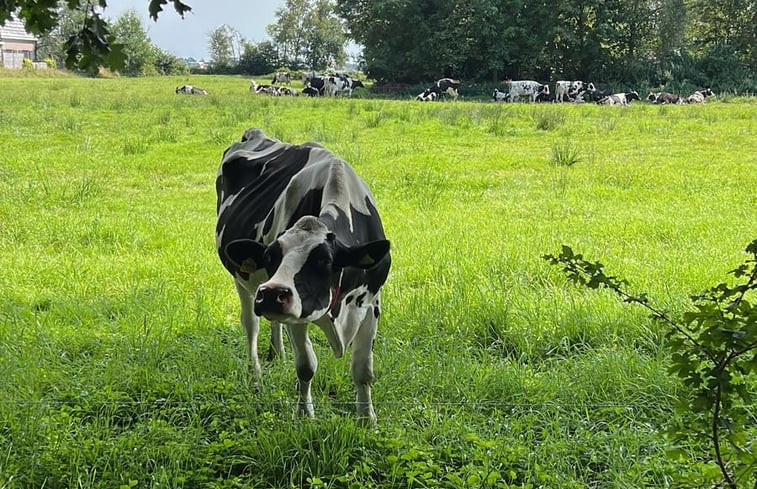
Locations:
{"points": [[362, 366], [305, 364], [251, 324], [277, 345]]}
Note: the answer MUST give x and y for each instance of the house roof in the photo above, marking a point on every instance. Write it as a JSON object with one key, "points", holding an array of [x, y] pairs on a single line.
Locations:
{"points": [[15, 30]]}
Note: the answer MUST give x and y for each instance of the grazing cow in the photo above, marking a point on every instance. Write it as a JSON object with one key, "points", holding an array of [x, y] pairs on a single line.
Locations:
{"points": [[525, 88], [446, 86], [281, 77], [190, 90], [573, 90], [619, 98], [498, 96], [299, 232], [310, 92], [427, 96], [700, 96], [665, 98]]}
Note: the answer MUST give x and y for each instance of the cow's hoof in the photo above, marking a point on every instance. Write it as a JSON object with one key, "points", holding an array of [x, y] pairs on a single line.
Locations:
{"points": [[367, 421]]}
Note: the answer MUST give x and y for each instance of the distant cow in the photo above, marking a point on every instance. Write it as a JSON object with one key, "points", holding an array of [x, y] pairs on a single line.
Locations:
{"points": [[596, 95], [665, 98], [317, 82], [299, 232], [281, 77], [700, 96], [190, 90], [525, 88], [573, 90], [266, 89], [619, 98], [286, 91], [446, 86], [427, 96], [310, 92], [498, 96], [350, 85]]}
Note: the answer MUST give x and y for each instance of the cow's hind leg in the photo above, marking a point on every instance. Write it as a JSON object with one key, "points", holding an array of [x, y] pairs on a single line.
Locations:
{"points": [[251, 324], [362, 365], [305, 364]]}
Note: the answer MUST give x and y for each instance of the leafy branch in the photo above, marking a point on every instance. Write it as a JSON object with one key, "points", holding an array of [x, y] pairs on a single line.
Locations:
{"points": [[92, 46], [714, 351]]}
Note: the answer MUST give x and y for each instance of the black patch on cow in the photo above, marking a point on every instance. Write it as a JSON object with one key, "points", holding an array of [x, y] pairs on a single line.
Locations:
{"points": [[313, 282], [360, 299], [309, 205], [257, 183], [305, 373], [376, 312], [348, 299], [272, 258]]}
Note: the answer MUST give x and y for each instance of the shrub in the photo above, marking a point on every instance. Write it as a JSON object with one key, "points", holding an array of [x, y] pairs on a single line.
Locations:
{"points": [[51, 63]]}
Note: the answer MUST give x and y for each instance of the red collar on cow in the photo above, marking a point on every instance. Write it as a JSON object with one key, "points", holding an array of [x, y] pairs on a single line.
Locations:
{"points": [[336, 291]]}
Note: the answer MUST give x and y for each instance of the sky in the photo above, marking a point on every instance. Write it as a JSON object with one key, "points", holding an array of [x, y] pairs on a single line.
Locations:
{"points": [[189, 37]]}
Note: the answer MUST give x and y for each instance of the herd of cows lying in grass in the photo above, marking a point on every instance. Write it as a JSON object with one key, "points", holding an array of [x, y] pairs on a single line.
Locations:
{"points": [[574, 91]]}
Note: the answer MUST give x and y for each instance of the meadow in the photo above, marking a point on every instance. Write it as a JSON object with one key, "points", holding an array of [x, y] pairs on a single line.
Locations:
{"points": [[121, 356]]}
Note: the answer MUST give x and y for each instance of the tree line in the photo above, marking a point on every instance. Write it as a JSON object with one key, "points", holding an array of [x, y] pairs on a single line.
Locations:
{"points": [[632, 42], [656, 42]]}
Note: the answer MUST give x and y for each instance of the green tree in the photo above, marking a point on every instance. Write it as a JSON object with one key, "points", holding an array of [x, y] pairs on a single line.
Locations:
{"points": [[324, 37], [225, 45], [258, 59], [140, 52], [92, 44], [308, 33]]}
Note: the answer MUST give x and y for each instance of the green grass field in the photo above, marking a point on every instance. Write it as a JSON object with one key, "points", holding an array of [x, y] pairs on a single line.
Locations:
{"points": [[122, 361]]}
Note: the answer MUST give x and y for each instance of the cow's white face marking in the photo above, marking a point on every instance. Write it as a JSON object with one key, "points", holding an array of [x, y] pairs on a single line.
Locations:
{"points": [[297, 245]]}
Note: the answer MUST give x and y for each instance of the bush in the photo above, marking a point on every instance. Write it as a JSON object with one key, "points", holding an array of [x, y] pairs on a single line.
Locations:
{"points": [[28, 65], [51, 63]]}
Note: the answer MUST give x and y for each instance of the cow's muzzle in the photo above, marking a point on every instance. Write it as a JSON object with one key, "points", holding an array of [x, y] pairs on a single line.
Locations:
{"points": [[272, 300]]}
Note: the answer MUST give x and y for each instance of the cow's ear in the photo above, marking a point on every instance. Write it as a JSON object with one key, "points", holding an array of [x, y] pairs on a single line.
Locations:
{"points": [[247, 254], [361, 256]]}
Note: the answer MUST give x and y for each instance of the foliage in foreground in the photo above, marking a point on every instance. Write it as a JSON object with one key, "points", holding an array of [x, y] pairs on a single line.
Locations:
{"points": [[714, 352]]}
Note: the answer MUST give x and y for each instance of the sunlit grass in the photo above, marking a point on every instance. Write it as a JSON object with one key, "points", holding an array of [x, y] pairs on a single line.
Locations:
{"points": [[120, 349]]}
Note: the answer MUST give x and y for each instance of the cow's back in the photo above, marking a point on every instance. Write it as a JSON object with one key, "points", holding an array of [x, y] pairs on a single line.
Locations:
{"points": [[264, 186]]}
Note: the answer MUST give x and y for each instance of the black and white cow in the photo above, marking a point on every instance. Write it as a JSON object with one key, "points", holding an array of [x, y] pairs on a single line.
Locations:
{"points": [[310, 92], [281, 77], [427, 96], [498, 96], [299, 232], [287, 91], [525, 88], [700, 96], [665, 98], [190, 90], [317, 82], [446, 86], [350, 85], [619, 98], [568, 89]]}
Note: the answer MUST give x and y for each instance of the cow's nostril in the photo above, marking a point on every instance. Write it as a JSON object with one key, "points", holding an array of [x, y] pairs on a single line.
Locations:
{"points": [[260, 296]]}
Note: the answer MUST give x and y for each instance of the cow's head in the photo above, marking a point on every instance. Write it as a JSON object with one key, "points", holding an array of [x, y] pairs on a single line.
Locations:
{"points": [[591, 88], [707, 92], [304, 266], [632, 95], [652, 97]]}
